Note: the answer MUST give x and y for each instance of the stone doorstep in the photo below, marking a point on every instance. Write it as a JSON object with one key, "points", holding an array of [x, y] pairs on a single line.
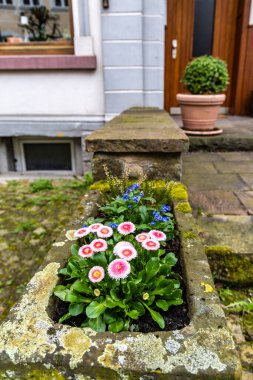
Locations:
{"points": [[30, 340], [139, 130]]}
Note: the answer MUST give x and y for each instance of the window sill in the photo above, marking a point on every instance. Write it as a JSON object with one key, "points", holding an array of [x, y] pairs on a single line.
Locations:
{"points": [[47, 62]]}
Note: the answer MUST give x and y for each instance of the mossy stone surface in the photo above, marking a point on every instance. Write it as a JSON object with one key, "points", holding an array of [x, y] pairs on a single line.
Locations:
{"points": [[229, 268]]}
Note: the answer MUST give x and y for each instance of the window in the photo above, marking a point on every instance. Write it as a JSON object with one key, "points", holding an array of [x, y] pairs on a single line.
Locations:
{"points": [[6, 2], [203, 27], [47, 156], [36, 27], [30, 3], [60, 4]]}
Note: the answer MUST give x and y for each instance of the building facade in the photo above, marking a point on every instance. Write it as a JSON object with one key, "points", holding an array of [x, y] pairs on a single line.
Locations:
{"points": [[96, 58]]}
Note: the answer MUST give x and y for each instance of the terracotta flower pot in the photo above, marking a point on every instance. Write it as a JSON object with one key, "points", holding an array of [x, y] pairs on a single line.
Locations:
{"points": [[200, 112]]}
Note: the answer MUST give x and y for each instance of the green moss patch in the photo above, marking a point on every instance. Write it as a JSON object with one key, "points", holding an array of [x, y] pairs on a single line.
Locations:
{"points": [[31, 217], [189, 235], [218, 249], [236, 270], [184, 207], [179, 192]]}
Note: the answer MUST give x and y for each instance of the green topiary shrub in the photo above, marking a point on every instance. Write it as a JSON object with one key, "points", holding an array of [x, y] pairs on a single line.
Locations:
{"points": [[206, 75]]}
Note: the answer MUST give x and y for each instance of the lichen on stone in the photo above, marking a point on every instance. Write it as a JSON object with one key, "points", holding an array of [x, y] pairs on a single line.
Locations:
{"points": [[184, 207], [75, 343], [26, 335]]}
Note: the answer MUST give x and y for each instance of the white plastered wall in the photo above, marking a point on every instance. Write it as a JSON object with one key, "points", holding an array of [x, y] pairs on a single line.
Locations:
{"points": [[49, 94]]}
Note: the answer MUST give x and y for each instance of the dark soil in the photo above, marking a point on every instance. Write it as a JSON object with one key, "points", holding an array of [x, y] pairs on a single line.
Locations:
{"points": [[175, 318]]}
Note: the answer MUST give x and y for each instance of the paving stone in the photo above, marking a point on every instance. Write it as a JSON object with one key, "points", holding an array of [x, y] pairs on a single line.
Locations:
{"points": [[246, 198], [234, 167], [236, 156], [39, 231], [199, 167], [235, 231], [248, 179], [215, 182], [201, 157], [216, 202], [4, 232], [3, 246]]}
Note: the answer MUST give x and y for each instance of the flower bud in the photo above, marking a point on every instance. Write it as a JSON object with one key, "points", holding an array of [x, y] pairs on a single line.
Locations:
{"points": [[97, 292], [145, 296]]}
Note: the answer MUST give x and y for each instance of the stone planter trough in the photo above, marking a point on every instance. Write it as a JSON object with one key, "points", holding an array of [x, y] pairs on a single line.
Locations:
{"points": [[32, 346]]}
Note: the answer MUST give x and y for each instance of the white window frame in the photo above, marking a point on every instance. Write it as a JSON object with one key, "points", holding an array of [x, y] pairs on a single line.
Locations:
{"points": [[62, 6], [19, 153]]}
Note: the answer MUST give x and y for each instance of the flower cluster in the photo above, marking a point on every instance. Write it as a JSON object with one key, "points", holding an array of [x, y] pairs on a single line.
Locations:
{"points": [[132, 195], [160, 216], [118, 268], [150, 241], [121, 263]]}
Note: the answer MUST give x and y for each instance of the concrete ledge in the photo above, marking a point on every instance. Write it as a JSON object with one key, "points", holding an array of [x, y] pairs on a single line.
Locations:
{"points": [[139, 130], [32, 345]]}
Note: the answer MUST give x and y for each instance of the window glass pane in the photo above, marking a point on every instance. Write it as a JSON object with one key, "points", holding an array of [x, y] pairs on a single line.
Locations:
{"points": [[57, 3], [22, 23], [203, 27], [66, 3], [47, 156]]}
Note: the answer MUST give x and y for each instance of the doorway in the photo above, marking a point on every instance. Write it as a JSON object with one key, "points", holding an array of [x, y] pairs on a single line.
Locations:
{"points": [[195, 28]]}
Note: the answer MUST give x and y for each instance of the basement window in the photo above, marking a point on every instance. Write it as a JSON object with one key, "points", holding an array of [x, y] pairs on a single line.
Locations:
{"points": [[46, 155]]}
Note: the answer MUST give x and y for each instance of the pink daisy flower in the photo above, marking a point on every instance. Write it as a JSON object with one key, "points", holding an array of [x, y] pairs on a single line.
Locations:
{"points": [[121, 245], [85, 251], [98, 245], [158, 235], [96, 274], [126, 228], [119, 268], [141, 237], [82, 232], [105, 231], [94, 227], [127, 252], [151, 244]]}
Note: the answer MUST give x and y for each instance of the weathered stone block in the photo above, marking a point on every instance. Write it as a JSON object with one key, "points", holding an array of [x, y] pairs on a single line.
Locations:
{"points": [[139, 130], [154, 165], [145, 140], [31, 344]]}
